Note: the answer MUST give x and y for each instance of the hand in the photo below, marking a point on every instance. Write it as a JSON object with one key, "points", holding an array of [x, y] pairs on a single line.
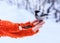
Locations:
{"points": [[38, 25]]}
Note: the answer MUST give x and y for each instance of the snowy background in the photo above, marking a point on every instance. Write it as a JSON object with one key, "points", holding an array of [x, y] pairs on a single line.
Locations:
{"points": [[49, 33]]}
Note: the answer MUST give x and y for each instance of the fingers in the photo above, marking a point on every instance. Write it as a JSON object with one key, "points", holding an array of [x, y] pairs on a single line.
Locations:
{"points": [[41, 23], [38, 26], [35, 22]]}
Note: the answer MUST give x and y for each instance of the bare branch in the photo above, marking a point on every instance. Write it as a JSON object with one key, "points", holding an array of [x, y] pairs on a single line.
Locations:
{"points": [[52, 4], [56, 10]]}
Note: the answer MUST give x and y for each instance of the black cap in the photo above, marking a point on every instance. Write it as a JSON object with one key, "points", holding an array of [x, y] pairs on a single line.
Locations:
{"points": [[36, 11]]}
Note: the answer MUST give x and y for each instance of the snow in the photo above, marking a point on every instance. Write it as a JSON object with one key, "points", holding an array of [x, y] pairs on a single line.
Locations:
{"points": [[14, 14], [49, 33]]}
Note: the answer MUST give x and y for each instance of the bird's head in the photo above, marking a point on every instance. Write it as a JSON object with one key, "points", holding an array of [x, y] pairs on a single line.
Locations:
{"points": [[37, 11]]}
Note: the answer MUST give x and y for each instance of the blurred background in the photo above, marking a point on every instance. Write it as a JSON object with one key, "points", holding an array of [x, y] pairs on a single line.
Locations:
{"points": [[24, 11]]}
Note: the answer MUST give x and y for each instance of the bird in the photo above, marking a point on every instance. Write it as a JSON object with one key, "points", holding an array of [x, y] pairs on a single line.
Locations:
{"points": [[40, 17]]}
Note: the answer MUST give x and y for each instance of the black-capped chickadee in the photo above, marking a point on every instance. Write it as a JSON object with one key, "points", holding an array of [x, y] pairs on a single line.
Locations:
{"points": [[40, 17]]}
